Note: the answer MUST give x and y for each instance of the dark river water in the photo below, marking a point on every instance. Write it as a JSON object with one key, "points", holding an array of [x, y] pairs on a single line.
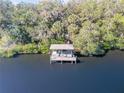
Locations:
{"points": [[34, 74]]}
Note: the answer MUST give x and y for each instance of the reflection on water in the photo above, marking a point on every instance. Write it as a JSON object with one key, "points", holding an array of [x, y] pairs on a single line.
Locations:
{"points": [[34, 74]]}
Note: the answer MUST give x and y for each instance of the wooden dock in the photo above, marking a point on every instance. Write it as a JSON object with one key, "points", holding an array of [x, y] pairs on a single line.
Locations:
{"points": [[62, 53], [63, 59]]}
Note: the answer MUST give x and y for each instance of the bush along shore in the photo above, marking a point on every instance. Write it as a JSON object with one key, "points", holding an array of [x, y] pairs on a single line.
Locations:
{"points": [[94, 27], [30, 48]]}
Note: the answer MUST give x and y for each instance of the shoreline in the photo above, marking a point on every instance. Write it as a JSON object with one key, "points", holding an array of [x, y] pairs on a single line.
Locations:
{"points": [[78, 55]]}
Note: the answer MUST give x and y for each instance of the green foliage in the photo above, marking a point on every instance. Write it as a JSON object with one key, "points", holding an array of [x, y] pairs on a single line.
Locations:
{"points": [[92, 26], [7, 53], [44, 46], [57, 29], [120, 43], [29, 48], [57, 41], [73, 29], [73, 19]]}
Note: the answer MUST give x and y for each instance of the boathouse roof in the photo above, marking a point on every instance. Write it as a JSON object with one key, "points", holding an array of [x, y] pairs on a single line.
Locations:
{"points": [[61, 47]]}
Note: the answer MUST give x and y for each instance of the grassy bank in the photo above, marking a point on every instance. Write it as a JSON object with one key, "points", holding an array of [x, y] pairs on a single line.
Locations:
{"points": [[24, 49], [41, 49], [30, 48]]}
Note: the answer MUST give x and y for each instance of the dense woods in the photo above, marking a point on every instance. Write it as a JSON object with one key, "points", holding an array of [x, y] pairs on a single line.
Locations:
{"points": [[93, 26]]}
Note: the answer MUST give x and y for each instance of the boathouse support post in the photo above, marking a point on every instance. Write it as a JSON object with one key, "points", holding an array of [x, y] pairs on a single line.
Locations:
{"points": [[71, 62], [61, 62], [75, 62], [50, 61]]}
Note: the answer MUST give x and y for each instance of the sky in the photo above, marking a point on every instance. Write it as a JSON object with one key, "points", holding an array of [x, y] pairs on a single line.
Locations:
{"points": [[29, 1]]}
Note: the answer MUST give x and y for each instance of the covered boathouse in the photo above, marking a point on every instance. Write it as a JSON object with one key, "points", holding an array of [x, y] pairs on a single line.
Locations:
{"points": [[62, 53]]}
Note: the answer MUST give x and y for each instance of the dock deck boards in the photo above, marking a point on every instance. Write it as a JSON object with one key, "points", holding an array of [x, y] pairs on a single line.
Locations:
{"points": [[61, 58]]}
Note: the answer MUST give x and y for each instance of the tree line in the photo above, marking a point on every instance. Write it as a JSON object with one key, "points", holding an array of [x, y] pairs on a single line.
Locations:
{"points": [[93, 26]]}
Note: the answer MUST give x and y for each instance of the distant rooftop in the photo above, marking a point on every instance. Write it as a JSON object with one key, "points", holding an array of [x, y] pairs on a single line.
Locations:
{"points": [[61, 47]]}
